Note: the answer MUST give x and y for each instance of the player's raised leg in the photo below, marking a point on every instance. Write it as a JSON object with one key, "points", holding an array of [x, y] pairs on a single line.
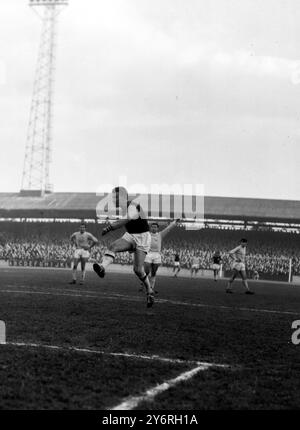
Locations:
{"points": [[120, 245]]}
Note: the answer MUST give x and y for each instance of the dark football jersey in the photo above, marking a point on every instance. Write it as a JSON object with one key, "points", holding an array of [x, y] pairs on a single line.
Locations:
{"points": [[177, 258], [138, 225]]}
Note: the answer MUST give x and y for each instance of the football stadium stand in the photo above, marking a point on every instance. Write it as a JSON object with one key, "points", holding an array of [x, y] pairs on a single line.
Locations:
{"points": [[83, 205], [30, 240], [47, 244]]}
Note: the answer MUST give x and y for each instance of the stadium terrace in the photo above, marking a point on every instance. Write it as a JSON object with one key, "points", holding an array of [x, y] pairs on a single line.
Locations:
{"points": [[242, 212]]}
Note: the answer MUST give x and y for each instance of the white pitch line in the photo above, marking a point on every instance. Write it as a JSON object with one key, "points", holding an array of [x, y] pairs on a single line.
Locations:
{"points": [[115, 354], [48, 293], [115, 296], [176, 302], [101, 352], [133, 402], [203, 305], [198, 305]]}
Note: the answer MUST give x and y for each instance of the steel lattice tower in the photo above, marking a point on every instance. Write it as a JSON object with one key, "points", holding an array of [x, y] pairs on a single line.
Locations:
{"points": [[38, 143]]}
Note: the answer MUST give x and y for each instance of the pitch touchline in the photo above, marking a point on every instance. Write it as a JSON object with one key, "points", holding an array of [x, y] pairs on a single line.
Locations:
{"points": [[115, 296], [201, 305], [115, 354], [134, 401]]}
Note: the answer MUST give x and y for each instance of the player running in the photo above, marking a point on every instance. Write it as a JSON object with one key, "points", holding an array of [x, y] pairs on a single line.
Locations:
{"points": [[137, 239], [153, 258], [217, 259], [176, 265], [238, 257], [195, 265], [83, 241]]}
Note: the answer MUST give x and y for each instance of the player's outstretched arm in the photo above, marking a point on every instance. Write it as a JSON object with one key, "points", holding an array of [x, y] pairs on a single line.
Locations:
{"points": [[231, 255], [114, 226], [167, 230], [132, 213]]}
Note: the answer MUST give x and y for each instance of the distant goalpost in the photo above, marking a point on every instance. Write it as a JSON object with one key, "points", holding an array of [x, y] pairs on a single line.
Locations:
{"points": [[292, 279]]}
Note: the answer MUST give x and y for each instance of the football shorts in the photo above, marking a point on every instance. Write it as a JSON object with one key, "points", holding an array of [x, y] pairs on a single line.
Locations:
{"points": [[176, 264], [216, 267], [240, 267], [153, 258], [81, 253], [195, 267], [139, 241]]}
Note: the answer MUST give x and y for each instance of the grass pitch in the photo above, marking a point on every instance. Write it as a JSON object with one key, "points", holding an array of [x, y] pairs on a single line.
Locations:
{"points": [[124, 349]]}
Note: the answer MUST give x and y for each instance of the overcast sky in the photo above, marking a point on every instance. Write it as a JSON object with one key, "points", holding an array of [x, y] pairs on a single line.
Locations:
{"points": [[161, 91]]}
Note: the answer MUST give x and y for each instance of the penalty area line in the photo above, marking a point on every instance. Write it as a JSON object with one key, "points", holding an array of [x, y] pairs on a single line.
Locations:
{"points": [[149, 395], [116, 296]]}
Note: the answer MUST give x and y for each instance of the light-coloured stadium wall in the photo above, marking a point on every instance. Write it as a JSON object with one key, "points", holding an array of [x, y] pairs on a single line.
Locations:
{"points": [[163, 271]]}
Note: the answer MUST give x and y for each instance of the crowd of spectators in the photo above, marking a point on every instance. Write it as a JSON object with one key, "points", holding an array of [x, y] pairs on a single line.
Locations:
{"points": [[48, 244]]}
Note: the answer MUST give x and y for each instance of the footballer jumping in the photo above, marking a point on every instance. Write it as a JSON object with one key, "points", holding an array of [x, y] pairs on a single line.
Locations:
{"points": [[137, 239]]}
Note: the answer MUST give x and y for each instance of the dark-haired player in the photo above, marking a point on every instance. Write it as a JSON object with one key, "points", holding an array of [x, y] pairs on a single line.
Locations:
{"points": [[137, 239], [238, 258], [217, 259], [83, 242]]}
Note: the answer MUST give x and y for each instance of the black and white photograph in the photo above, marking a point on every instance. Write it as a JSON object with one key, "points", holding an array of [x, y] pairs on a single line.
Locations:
{"points": [[149, 208]]}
